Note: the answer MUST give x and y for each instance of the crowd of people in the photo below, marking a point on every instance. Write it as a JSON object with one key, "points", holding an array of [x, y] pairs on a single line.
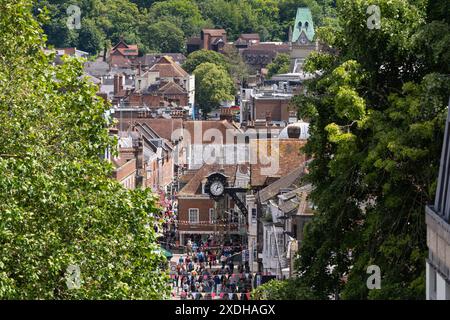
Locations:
{"points": [[208, 271]]}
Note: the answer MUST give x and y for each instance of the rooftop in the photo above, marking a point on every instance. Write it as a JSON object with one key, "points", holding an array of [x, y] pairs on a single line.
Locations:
{"points": [[303, 23], [167, 68]]}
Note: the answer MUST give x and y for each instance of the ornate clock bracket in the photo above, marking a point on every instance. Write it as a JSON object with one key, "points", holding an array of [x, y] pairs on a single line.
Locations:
{"points": [[217, 177]]}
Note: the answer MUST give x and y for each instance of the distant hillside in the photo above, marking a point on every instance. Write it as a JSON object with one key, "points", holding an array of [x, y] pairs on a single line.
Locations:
{"points": [[141, 21]]}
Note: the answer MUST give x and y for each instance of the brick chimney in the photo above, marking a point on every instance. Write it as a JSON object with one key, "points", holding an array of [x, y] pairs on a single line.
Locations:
{"points": [[119, 80], [226, 114]]}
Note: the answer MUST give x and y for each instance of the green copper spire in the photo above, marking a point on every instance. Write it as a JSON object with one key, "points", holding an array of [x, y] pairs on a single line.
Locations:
{"points": [[303, 22]]}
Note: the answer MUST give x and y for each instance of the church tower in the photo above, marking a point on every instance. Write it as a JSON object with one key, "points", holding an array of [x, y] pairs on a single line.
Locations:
{"points": [[302, 39]]}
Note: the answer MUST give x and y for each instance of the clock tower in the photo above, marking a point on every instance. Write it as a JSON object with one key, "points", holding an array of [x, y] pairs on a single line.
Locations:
{"points": [[302, 41]]}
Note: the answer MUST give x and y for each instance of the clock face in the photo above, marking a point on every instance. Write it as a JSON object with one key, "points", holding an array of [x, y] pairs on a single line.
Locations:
{"points": [[217, 188]]}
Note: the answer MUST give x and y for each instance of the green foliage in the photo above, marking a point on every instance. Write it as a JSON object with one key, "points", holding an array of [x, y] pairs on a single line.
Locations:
{"points": [[235, 17], [130, 18], [377, 110], [164, 36], [236, 66], [213, 85], [282, 290], [58, 203], [90, 38], [196, 58], [279, 65], [185, 14]]}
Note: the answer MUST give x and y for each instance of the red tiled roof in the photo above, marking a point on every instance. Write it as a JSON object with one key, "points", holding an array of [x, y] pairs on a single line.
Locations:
{"points": [[249, 36], [171, 88], [168, 68], [287, 153], [125, 49], [194, 186], [200, 127]]}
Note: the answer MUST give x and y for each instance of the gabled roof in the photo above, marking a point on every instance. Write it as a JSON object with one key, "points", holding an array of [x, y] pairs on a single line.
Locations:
{"points": [[150, 59], [194, 186], [168, 68], [171, 88], [154, 140], [303, 23], [125, 49], [169, 129], [284, 182]]}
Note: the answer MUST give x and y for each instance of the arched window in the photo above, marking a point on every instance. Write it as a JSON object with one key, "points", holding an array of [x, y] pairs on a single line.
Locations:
{"points": [[306, 25]]}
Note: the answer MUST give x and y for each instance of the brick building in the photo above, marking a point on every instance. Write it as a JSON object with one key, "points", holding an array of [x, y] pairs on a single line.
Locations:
{"points": [[165, 83], [123, 55], [210, 39], [197, 217]]}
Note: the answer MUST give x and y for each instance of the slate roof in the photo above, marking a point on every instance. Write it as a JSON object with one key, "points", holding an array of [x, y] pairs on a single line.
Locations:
{"points": [[161, 126], [284, 182]]}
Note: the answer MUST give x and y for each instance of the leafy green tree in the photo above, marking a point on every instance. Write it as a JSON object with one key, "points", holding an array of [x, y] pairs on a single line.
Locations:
{"points": [[164, 36], [145, 3], [280, 64], [237, 68], [185, 14], [377, 112], [196, 58], [59, 205], [117, 18], [213, 85], [90, 38], [282, 290], [235, 17], [267, 13]]}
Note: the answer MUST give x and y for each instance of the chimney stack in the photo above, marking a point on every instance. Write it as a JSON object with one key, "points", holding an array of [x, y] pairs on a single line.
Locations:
{"points": [[119, 80], [226, 114]]}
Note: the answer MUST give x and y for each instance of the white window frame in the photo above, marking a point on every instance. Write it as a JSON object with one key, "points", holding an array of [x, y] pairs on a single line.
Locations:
{"points": [[255, 216], [211, 215], [193, 210]]}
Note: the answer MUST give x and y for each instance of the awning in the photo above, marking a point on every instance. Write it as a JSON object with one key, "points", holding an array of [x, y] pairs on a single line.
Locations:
{"points": [[167, 253]]}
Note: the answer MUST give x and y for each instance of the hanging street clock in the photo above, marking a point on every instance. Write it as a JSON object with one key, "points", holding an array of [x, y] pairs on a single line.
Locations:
{"points": [[215, 185]]}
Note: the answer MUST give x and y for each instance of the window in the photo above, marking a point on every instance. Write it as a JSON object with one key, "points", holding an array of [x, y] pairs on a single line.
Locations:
{"points": [[193, 216], [211, 215], [253, 215]]}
